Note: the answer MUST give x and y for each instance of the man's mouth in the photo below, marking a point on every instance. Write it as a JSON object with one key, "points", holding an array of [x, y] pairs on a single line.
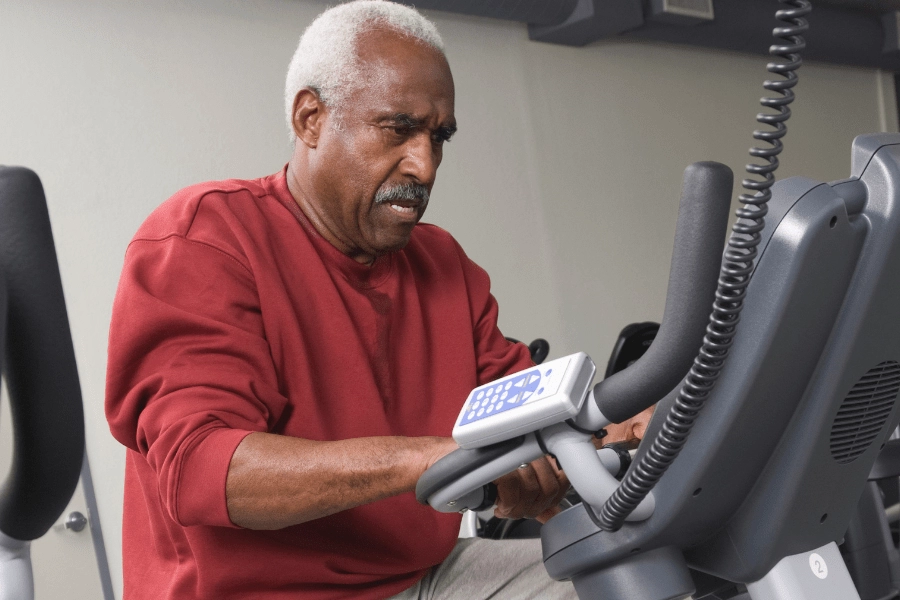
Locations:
{"points": [[404, 210], [404, 199]]}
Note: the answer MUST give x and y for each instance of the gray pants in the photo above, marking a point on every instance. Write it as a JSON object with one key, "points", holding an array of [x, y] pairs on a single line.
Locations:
{"points": [[479, 569]]}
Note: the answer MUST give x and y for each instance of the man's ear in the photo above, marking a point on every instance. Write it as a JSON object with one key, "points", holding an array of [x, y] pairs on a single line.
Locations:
{"points": [[308, 117]]}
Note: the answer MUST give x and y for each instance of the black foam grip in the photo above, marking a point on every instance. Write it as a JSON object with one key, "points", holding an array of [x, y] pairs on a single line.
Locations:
{"points": [[539, 350], [696, 258], [38, 364]]}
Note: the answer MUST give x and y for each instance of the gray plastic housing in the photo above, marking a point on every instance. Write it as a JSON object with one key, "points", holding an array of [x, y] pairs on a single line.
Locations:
{"points": [[816, 575], [757, 480]]}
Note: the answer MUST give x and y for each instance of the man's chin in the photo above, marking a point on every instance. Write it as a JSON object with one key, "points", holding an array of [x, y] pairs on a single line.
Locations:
{"points": [[392, 245]]}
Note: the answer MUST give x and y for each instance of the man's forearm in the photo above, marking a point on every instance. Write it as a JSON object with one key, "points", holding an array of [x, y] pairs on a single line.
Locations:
{"points": [[275, 481]]}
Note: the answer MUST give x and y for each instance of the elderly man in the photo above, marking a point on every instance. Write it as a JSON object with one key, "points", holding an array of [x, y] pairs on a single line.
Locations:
{"points": [[287, 355]]}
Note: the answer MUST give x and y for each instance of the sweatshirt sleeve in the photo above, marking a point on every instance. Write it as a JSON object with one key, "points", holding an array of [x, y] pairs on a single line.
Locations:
{"points": [[189, 372], [495, 356]]}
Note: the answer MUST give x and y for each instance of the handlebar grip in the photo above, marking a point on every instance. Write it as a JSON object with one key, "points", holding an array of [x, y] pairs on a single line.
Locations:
{"points": [[458, 463], [539, 349], [696, 259]]}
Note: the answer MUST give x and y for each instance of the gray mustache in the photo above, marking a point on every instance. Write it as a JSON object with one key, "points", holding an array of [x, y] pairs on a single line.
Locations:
{"points": [[403, 191]]}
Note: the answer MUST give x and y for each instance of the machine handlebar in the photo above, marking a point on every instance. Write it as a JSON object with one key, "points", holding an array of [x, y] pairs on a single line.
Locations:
{"points": [[696, 258]]}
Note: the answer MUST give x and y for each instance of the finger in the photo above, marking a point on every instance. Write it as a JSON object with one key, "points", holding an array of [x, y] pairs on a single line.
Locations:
{"points": [[529, 492], [554, 490], [543, 495], [554, 505], [637, 430], [640, 423], [548, 514], [540, 487], [530, 483], [554, 464], [616, 432], [518, 494], [508, 490], [546, 479], [563, 487]]}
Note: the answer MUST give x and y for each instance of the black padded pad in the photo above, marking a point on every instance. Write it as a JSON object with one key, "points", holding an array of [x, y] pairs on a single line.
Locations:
{"points": [[38, 364]]}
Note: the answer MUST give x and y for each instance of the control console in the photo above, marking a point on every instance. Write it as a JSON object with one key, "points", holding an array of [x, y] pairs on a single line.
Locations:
{"points": [[525, 401]]}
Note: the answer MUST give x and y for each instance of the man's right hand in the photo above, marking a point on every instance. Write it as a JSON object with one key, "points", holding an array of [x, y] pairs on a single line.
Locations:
{"points": [[533, 491]]}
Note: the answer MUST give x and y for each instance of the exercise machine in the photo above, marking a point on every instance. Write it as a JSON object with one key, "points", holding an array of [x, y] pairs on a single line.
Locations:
{"points": [[776, 416]]}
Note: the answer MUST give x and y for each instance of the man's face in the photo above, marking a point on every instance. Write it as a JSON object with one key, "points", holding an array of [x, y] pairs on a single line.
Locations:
{"points": [[373, 169]]}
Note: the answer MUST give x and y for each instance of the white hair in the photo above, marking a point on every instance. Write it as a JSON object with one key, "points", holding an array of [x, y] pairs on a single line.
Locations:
{"points": [[326, 59]]}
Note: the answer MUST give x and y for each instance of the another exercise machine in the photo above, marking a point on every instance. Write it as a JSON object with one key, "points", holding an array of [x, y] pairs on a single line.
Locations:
{"points": [[38, 362]]}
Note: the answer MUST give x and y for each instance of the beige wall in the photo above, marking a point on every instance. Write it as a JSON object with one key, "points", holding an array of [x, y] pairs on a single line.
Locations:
{"points": [[563, 181]]}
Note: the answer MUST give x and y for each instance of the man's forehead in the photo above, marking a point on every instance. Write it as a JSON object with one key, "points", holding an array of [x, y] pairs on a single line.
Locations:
{"points": [[406, 80]]}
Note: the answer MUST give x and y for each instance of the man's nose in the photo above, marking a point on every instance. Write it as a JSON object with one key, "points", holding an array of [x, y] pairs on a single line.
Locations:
{"points": [[421, 160]]}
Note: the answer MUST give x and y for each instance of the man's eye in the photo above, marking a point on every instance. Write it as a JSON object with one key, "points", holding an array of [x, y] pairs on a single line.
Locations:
{"points": [[401, 131], [440, 138]]}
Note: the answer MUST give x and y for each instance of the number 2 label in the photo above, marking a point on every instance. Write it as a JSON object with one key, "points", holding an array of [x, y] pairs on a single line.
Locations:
{"points": [[818, 566]]}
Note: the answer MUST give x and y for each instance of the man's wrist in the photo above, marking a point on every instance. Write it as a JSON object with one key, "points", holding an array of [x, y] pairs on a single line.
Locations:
{"points": [[434, 449]]}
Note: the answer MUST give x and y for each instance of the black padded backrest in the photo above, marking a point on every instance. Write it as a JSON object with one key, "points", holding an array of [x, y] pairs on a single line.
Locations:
{"points": [[38, 364]]}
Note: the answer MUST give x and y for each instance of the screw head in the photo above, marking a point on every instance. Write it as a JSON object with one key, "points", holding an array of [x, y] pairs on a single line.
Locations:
{"points": [[76, 521]]}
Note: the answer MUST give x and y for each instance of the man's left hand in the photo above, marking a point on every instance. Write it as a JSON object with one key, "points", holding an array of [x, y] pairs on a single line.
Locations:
{"points": [[631, 430]]}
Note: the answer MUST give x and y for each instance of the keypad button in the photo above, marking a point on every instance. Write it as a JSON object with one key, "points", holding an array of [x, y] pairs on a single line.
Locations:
{"points": [[470, 416], [490, 409], [480, 412], [504, 395], [494, 399], [480, 395]]}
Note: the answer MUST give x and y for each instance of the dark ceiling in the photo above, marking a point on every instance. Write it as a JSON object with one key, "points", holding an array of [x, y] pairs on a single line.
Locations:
{"points": [[876, 6], [849, 32]]}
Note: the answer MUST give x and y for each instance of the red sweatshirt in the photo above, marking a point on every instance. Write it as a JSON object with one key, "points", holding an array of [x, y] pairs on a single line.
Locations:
{"points": [[233, 316]]}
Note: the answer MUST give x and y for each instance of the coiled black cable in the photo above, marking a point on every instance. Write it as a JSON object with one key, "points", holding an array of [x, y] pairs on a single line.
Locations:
{"points": [[737, 265]]}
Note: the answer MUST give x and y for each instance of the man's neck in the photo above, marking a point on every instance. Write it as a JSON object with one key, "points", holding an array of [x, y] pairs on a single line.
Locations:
{"points": [[304, 199]]}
